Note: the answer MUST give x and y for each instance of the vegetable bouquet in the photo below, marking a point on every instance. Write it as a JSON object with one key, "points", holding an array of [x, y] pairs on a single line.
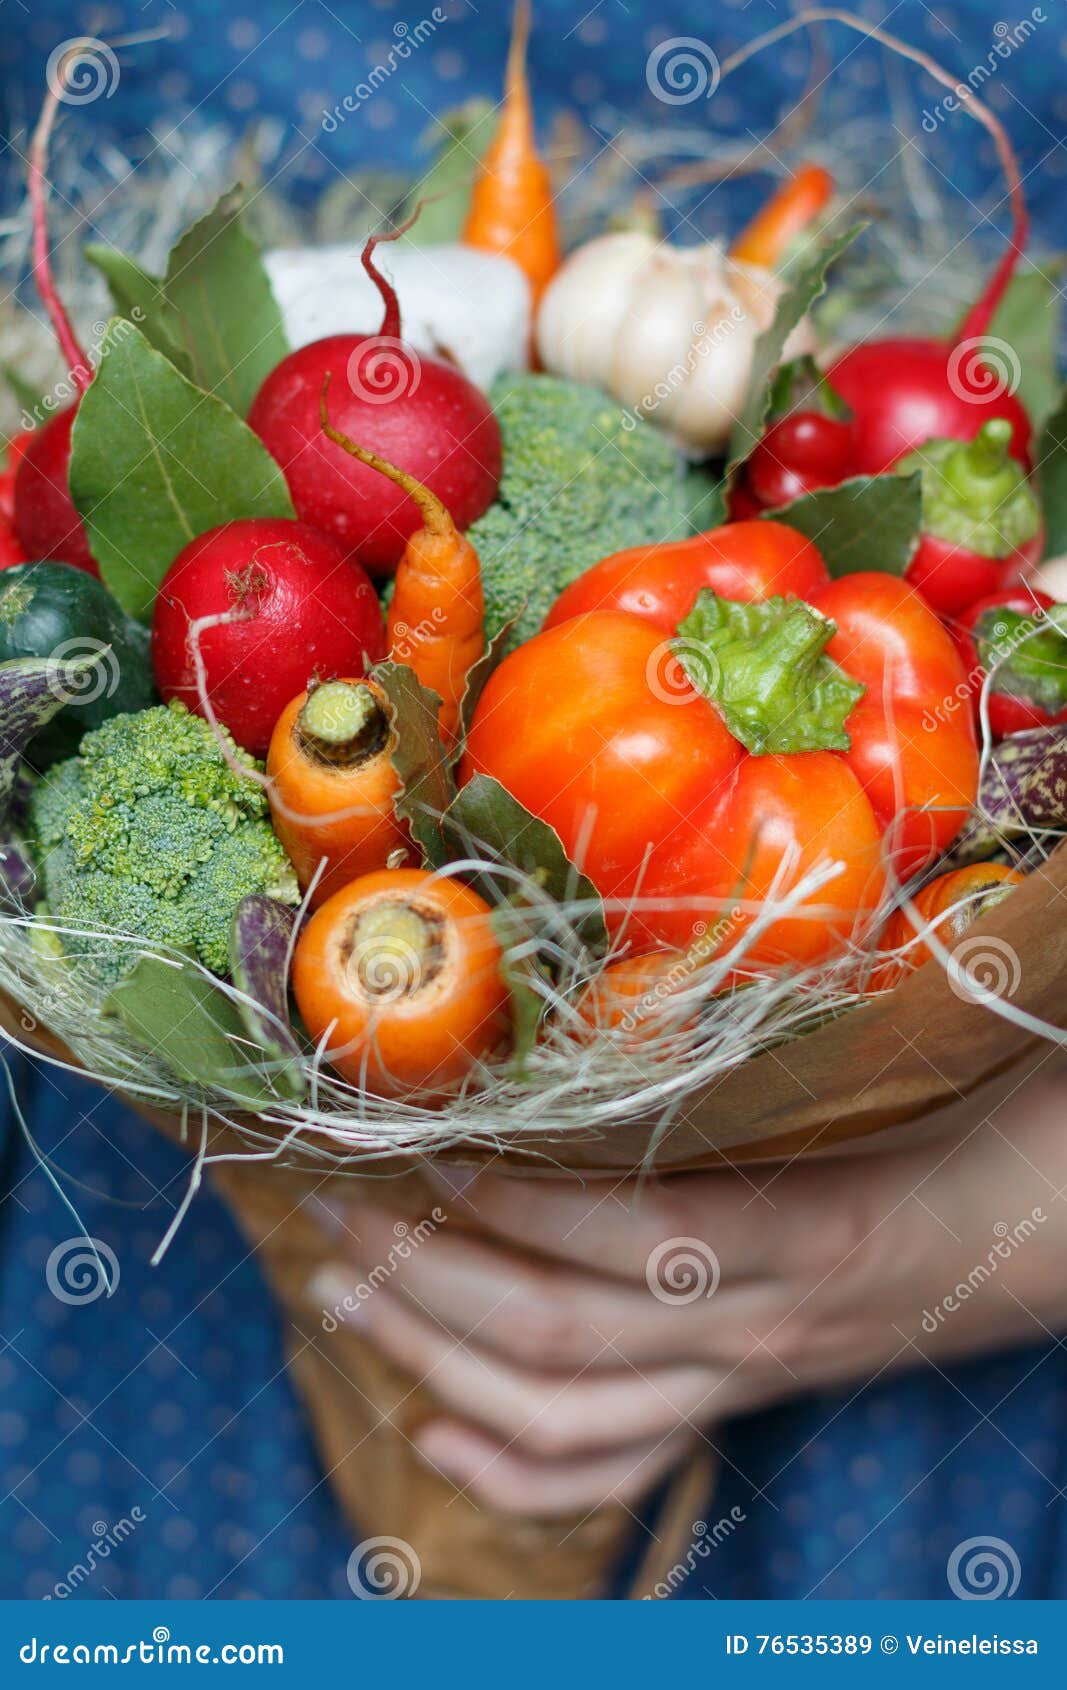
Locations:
{"points": [[619, 766]]}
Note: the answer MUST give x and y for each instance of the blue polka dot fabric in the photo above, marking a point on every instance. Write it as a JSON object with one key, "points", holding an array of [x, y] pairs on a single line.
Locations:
{"points": [[150, 1442]]}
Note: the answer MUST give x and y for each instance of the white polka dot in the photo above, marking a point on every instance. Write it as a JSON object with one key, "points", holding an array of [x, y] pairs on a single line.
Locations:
{"points": [[174, 85], [380, 114], [83, 1467], [312, 44], [12, 1428], [178, 1533], [449, 64], [241, 96], [243, 33], [182, 1588]]}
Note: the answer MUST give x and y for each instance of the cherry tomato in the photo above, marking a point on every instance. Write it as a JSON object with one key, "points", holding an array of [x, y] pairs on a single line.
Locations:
{"points": [[798, 455], [1029, 688]]}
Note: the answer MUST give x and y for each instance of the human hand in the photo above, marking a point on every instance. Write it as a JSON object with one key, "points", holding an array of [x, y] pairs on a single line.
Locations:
{"points": [[574, 1364]]}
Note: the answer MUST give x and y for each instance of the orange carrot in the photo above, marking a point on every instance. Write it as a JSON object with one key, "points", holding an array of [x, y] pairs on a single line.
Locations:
{"points": [[785, 215], [332, 784], [512, 210], [436, 621]]}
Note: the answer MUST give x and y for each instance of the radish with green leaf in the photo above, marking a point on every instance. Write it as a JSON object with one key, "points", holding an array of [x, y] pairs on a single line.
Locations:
{"points": [[419, 413]]}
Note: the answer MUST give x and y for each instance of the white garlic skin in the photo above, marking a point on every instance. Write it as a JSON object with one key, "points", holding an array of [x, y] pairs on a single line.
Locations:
{"points": [[667, 331]]}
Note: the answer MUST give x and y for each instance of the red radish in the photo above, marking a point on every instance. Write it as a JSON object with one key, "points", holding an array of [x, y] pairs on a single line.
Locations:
{"points": [[281, 604], [417, 412], [15, 448], [10, 550], [46, 522]]}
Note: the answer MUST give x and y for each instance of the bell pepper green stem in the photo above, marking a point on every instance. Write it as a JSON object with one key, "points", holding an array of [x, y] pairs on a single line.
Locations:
{"points": [[975, 494], [1026, 655], [764, 667]]}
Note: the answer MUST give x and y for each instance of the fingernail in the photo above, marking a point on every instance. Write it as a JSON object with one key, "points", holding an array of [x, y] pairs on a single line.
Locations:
{"points": [[333, 1290]]}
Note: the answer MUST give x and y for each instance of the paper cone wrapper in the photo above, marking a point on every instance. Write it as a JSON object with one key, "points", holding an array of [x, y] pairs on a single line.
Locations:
{"points": [[926, 1059]]}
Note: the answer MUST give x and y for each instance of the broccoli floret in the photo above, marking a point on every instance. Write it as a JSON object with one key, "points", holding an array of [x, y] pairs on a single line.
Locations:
{"points": [[150, 833], [582, 479]]}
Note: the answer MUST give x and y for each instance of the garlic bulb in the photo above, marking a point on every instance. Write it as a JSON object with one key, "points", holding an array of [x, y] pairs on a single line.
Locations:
{"points": [[667, 331]]}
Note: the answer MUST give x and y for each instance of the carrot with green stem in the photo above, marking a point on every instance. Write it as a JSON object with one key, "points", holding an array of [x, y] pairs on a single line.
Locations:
{"points": [[436, 622], [783, 217], [512, 209]]}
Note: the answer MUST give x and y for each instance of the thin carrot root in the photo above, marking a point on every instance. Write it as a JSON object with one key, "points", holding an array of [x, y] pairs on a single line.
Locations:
{"points": [[512, 209]]}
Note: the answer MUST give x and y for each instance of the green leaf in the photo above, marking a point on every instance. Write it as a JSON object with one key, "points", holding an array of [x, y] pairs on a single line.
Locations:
{"points": [[1052, 478], [486, 821], [418, 756], [180, 1015], [224, 313], [154, 462], [462, 137], [794, 304], [32, 690], [138, 297], [477, 675], [871, 522], [1028, 319], [519, 970]]}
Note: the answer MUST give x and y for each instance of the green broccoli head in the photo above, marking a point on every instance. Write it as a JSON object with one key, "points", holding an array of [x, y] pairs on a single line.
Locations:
{"points": [[582, 479], [150, 833]]}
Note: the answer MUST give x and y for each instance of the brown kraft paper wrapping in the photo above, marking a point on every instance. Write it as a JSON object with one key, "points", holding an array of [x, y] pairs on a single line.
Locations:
{"points": [[925, 1058]]}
